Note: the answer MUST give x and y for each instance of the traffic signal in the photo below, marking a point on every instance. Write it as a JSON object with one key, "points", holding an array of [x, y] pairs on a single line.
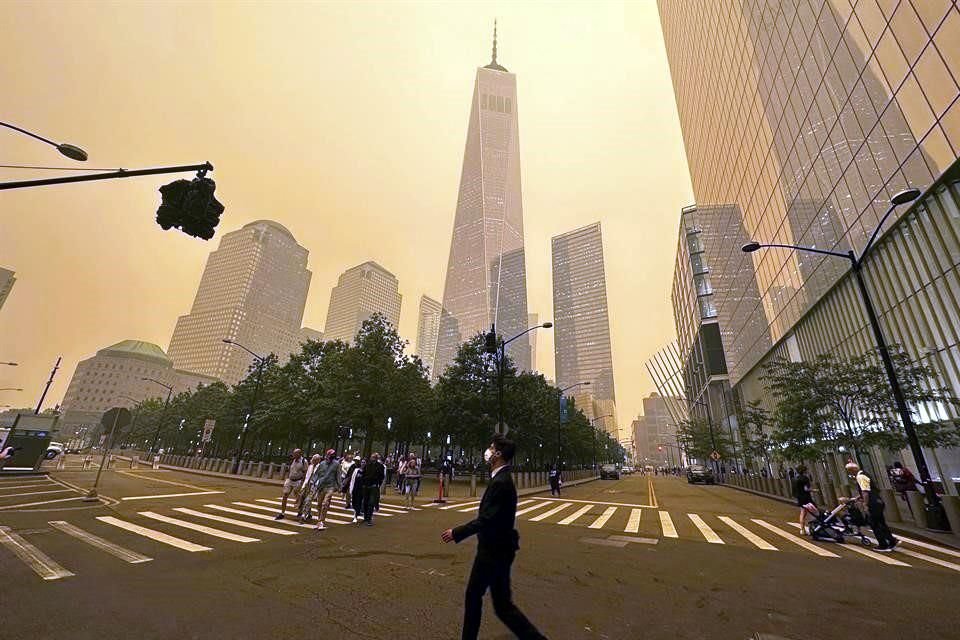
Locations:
{"points": [[190, 206], [490, 344]]}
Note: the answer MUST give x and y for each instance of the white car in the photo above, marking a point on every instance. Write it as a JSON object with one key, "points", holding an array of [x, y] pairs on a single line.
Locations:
{"points": [[53, 450]]}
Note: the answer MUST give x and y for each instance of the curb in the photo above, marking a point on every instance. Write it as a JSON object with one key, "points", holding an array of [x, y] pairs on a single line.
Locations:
{"points": [[893, 526]]}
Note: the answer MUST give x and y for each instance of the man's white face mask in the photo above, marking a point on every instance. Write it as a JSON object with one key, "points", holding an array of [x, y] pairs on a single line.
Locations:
{"points": [[487, 455]]}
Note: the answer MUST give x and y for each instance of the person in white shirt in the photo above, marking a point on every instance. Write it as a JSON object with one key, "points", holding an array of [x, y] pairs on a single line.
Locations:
{"points": [[871, 500]]}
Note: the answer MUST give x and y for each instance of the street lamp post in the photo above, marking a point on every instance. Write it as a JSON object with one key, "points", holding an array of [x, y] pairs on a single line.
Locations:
{"points": [[136, 412], [560, 416], [935, 512], [253, 401], [593, 428], [69, 150], [501, 358], [163, 414]]}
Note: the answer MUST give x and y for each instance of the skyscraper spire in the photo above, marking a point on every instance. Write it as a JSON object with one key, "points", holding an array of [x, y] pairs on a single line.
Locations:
{"points": [[493, 63]]}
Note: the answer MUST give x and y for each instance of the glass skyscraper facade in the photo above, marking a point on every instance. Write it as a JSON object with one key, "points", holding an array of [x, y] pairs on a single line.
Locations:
{"points": [[253, 290], [428, 327], [802, 119], [581, 319], [486, 279]]}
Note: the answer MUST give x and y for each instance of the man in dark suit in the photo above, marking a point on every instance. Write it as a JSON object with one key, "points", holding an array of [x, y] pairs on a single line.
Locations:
{"points": [[497, 545]]}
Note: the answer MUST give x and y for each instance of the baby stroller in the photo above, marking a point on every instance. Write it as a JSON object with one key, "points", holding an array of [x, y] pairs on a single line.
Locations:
{"points": [[834, 526]]}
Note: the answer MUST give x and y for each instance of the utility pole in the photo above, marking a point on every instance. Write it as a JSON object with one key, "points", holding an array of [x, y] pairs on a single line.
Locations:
{"points": [[47, 388]]}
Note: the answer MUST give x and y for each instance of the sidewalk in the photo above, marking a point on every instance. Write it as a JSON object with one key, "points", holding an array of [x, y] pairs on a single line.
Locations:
{"points": [[946, 539]]}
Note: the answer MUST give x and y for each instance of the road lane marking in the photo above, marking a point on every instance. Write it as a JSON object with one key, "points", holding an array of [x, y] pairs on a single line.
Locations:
{"points": [[666, 524], [333, 510], [931, 547], [37, 560], [153, 534], [576, 514], [459, 504], [210, 531], [786, 535], [34, 504], [633, 524], [599, 502], [333, 519], [651, 494], [746, 533], [258, 516], [547, 514], [178, 484], [532, 508], [476, 507], [96, 541], [172, 495], [34, 493], [602, 520], [235, 522], [923, 556], [709, 534], [23, 486], [400, 507], [4, 481], [876, 556], [265, 508]]}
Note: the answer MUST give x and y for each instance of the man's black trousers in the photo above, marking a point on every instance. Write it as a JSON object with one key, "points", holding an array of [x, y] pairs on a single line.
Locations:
{"points": [[495, 575], [879, 525]]}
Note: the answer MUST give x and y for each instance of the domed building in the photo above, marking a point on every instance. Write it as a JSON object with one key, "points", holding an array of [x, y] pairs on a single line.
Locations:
{"points": [[115, 375]]}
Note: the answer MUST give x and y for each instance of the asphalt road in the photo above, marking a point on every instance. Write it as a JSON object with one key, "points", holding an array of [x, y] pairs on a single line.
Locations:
{"points": [[614, 559]]}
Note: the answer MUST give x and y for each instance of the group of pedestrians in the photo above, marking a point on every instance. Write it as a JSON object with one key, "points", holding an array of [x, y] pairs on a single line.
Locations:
{"points": [[357, 481]]}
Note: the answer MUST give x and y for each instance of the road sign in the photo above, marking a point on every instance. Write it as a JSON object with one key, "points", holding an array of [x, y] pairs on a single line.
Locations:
{"points": [[715, 455], [208, 426]]}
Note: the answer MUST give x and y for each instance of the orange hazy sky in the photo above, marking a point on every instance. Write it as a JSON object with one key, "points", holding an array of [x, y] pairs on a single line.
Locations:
{"points": [[343, 121]]}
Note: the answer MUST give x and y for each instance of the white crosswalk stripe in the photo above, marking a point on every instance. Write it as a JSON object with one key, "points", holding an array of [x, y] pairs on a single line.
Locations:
{"points": [[459, 504], [534, 507], [202, 528], [876, 556], [554, 511], [633, 524], [666, 525], [153, 534], [930, 559], [576, 514], [709, 534], [800, 542], [250, 514], [37, 560], [602, 520], [100, 543], [235, 522], [757, 541], [313, 511]]}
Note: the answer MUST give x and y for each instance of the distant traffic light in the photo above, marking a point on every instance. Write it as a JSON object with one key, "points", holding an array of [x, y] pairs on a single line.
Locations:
{"points": [[190, 206], [490, 345]]}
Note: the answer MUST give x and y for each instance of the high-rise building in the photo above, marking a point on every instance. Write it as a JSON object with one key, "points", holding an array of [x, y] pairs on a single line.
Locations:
{"points": [[581, 321], [115, 374], [486, 279], [361, 291], [807, 118], [533, 319], [655, 433], [6, 284], [306, 333], [428, 327], [253, 290]]}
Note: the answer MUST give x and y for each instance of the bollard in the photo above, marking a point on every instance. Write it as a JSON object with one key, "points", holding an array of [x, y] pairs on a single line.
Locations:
{"points": [[283, 470], [86, 463], [951, 504], [134, 462], [156, 462], [270, 470], [259, 470], [473, 485], [110, 460], [249, 470]]}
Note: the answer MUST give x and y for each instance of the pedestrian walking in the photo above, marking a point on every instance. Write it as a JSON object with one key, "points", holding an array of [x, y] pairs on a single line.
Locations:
{"points": [[373, 476], [411, 478], [801, 491], [346, 470], [402, 474], [555, 480], [356, 491], [291, 486], [307, 491], [497, 546], [323, 484], [870, 498]]}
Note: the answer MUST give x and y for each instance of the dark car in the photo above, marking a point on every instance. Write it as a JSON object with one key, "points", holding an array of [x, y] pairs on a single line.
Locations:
{"points": [[699, 473], [609, 472]]}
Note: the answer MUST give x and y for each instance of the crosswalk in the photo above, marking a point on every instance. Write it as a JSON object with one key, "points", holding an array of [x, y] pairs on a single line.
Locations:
{"points": [[138, 537], [759, 534]]}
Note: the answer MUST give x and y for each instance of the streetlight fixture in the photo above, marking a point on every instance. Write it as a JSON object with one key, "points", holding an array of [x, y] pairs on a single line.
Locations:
{"points": [[71, 151], [253, 401], [163, 415], [492, 346], [935, 512]]}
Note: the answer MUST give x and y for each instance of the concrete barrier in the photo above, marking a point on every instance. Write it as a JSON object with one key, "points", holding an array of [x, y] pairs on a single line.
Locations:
{"points": [[892, 512], [951, 504], [918, 507]]}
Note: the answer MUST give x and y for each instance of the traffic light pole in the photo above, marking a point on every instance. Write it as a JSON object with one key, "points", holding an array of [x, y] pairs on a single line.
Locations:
{"points": [[119, 173]]}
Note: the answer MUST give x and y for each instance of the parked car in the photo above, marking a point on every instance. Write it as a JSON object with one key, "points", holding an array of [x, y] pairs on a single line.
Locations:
{"points": [[699, 473], [609, 472], [53, 450], [626, 470]]}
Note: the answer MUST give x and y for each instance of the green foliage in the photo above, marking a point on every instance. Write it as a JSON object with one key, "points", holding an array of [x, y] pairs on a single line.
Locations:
{"points": [[699, 439]]}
